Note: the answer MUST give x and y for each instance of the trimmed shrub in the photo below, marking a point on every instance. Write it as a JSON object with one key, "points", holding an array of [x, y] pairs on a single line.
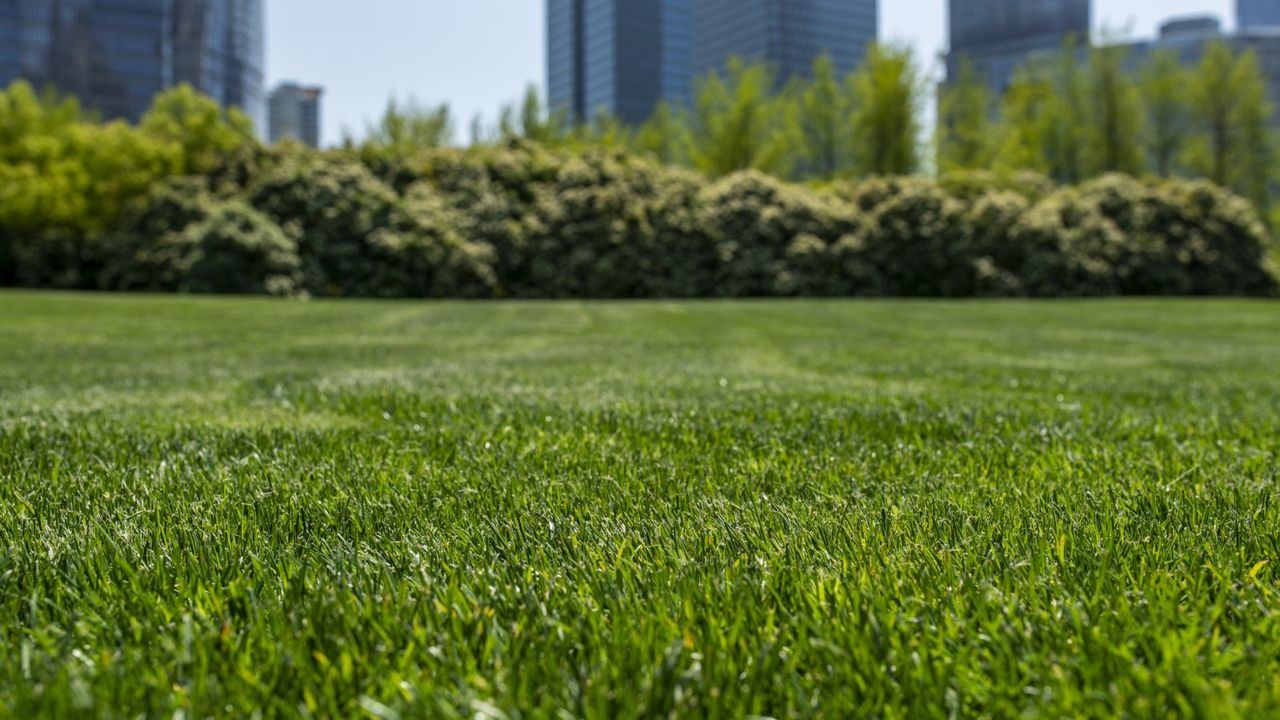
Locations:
{"points": [[519, 220], [918, 244], [970, 185], [356, 237], [147, 253], [238, 250], [1064, 246], [593, 232], [8, 266], [989, 221], [1183, 238], [758, 224]]}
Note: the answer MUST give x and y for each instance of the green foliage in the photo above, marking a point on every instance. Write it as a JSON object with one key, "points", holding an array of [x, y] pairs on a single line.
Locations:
{"points": [[1047, 118], [1163, 83], [149, 250], [409, 126], [67, 181], [356, 236], [202, 131], [918, 243], [825, 107], [760, 225], [1063, 245], [588, 217], [888, 93], [967, 138], [737, 123], [237, 250], [1115, 122], [1165, 227], [968, 185], [664, 136], [1232, 145], [533, 121]]}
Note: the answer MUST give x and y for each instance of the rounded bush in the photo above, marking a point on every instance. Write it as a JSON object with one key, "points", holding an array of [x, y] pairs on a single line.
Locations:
{"points": [[1183, 237], [759, 223], [238, 250], [989, 220], [1064, 246], [147, 253], [918, 244], [356, 237]]}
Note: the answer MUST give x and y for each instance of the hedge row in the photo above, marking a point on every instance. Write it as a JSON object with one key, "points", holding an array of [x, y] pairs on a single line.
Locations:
{"points": [[520, 221]]}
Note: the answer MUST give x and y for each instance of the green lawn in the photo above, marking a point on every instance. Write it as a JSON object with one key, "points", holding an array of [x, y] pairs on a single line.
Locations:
{"points": [[839, 509]]}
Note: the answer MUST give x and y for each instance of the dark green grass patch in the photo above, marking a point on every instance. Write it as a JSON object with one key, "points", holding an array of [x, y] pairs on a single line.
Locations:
{"points": [[838, 509]]}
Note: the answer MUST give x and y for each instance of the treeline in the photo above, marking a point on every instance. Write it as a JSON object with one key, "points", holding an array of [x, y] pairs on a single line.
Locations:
{"points": [[189, 201], [1073, 115]]}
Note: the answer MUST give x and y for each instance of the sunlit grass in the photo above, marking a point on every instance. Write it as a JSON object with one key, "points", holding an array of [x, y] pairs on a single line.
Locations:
{"points": [[841, 509]]}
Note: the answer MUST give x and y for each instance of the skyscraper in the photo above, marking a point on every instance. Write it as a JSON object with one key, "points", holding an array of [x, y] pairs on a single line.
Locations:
{"points": [[617, 56], [116, 55], [623, 56], [998, 36], [788, 35], [1252, 14], [295, 114], [219, 48]]}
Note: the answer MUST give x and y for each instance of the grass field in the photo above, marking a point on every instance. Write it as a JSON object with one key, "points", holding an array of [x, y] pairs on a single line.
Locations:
{"points": [[837, 509]]}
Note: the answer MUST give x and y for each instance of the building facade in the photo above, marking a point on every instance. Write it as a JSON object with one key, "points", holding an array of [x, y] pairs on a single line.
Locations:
{"points": [[116, 55], [999, 36], [1253, 14], [294, 112], [617, 56], [624, 56], [219, 48], [788, 35]]}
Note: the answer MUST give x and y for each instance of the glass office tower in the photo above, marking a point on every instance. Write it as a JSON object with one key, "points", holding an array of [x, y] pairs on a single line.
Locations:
{"points": [[998, 36], [295, 114], [219, 48], [1252, 14], [116, 55], [786, 34], [617, 56]]}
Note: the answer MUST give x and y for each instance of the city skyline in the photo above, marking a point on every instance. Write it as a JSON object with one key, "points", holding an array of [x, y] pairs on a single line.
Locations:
{"points": [[415, 48]]}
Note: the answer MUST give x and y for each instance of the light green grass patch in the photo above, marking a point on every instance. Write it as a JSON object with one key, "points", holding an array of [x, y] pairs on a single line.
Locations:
{"points": [[836, 509]]}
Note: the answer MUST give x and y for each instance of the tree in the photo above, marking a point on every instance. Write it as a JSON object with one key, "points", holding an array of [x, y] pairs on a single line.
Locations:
{"points": [[1113, 142], [824, 110], [1023, 123], [477, 131], [606, 130], [66, 179], [664, 136], [1232, 144], [204, 132], [886, 122], [1066, 117], [533, 121], [1163, 85], [1256, 146], [738, 123], [410, 126], [1045, 117], [966, 134]]}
